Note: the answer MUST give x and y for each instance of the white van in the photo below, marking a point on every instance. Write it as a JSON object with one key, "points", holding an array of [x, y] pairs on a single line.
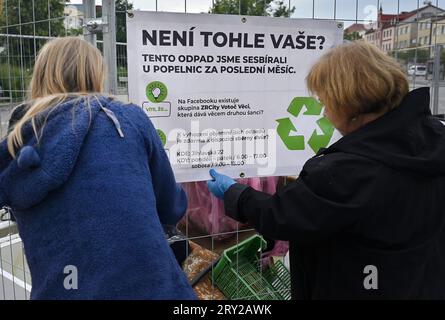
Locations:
{"points": [[417, 70]]}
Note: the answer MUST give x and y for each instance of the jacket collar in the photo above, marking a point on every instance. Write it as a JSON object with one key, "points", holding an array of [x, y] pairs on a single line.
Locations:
{"points": [[414, 105]]}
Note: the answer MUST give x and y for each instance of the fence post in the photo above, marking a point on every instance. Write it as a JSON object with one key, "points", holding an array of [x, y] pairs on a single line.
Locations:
{"points": [[109, 44], [436, 78], [89, 8]]}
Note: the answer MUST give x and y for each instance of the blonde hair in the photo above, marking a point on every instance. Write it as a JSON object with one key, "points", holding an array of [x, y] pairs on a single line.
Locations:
{"points": [[65, 68], [358, 78]]}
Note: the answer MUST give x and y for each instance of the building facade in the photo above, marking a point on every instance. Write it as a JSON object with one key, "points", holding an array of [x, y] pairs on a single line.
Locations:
{"points": [[403, 30], [73, 16]]}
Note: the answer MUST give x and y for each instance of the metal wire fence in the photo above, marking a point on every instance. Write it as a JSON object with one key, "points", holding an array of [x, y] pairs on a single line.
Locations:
{"points": [[412, 31]]}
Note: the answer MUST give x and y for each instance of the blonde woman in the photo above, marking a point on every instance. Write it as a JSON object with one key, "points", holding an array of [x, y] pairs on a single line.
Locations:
{"points": [[365, 219], [90, 186]]}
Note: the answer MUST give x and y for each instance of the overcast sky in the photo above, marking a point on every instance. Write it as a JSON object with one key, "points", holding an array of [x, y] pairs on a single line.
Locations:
{"points": [[344, 9]]}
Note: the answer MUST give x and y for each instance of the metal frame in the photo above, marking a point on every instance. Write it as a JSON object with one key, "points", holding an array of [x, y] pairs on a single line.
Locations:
{"points": [[115, 55]]}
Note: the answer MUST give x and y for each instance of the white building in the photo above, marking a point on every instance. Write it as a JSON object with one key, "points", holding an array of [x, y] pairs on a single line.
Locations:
{"points": [[73, 15]]}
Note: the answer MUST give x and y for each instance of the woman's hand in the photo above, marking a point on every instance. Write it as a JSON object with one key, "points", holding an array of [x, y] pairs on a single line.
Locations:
{"points": [[220, 183]]}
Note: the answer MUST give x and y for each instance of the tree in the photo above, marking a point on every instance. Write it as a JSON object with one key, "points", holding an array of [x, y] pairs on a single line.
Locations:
{"points": [[275, 8], [121, 19], [282, 11], [25, 18], [48, 15], [414, 55], [352, 36]]}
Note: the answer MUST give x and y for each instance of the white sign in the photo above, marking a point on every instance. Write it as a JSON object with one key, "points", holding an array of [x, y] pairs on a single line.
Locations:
{"points": [[229, 92]]}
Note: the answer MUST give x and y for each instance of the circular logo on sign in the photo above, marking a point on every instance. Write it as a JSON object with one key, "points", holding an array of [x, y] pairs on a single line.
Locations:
{"points": [[162, 136], [156, 91]]}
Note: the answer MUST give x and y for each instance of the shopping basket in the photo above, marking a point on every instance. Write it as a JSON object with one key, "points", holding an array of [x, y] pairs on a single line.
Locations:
{"points": [[239, 274]]}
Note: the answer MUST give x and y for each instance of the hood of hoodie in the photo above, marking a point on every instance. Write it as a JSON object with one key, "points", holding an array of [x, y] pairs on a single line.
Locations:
{"points": [[407, 138], [43, 166]]}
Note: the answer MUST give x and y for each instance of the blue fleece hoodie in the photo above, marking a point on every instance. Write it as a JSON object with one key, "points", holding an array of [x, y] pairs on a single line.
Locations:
{"points": [[94, 193]]}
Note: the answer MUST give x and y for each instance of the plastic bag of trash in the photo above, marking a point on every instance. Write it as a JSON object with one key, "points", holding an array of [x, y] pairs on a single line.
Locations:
{"points": [[205, 212]]}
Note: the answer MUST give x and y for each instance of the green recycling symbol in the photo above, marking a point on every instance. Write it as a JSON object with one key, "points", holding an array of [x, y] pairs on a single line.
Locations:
{"points": [[297, 142]]}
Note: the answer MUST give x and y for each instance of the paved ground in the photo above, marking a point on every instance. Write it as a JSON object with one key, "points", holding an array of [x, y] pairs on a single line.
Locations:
{"points": [[13, 278]]}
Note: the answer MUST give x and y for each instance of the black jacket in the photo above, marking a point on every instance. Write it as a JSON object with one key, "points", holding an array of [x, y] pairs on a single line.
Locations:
{"points": [[374, 198]]}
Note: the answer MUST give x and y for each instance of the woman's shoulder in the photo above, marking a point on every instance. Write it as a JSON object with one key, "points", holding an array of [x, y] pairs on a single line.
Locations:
{"points": [[341, 175], [127, 109], [340, 164], [17, 113], [131, 113]]}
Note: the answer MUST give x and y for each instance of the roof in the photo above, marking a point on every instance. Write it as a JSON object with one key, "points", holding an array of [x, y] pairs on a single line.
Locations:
{"points": [[356, 27], [389, 20]]}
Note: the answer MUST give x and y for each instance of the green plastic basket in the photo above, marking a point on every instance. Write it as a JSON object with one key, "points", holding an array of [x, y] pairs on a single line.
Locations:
{"points": [[239, 275]]}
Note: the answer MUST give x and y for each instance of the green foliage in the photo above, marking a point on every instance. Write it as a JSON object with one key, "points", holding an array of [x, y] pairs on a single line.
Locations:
{"points": [[352, 36], [74, 31], [121, 24], [275, 8], [418, 56], [442, 56], [20, 20], [45, 18], [13, 79], [282, 10]]}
